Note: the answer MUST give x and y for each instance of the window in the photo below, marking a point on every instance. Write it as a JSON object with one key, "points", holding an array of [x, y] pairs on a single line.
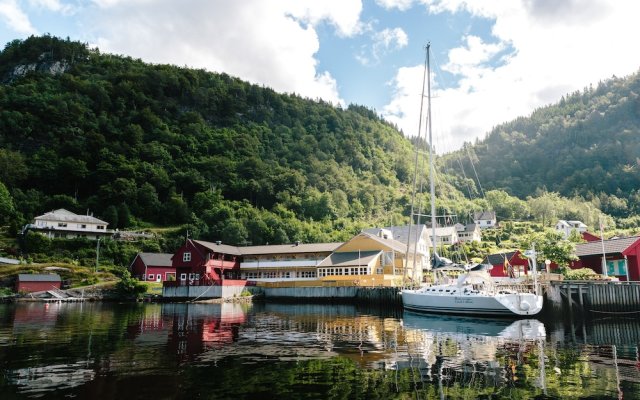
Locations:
{"points": [[83, 226], [143, 277], [62, 224], [100, 227], [151, 277], [186, 256], [183, 277]]}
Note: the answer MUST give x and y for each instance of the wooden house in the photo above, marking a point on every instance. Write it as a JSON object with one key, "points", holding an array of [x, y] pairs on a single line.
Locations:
{"points": [[468, 233], [621, 256], [202, 263], [37, 282], [508, 264], [566, 227], [155, 267], [420, 244]]}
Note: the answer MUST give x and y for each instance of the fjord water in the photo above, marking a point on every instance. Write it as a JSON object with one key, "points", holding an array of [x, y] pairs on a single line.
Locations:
{"points": [[310, 351]]}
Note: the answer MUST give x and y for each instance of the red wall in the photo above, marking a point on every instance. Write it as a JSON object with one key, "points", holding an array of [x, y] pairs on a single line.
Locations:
{"points": [[36, 286]]}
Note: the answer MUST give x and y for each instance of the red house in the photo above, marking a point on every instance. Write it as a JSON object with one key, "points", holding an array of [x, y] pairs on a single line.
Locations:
{"points": [[37, 282], [156, 267], [622, 257], [589, 237], [518, 262], [202, 263]]}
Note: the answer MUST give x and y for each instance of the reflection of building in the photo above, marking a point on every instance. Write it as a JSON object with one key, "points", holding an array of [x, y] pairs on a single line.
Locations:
{"points": [[65, 224]]}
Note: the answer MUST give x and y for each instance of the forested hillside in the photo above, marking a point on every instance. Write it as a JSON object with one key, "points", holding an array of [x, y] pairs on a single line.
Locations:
{"points": [[136, 143], [587, 145]]}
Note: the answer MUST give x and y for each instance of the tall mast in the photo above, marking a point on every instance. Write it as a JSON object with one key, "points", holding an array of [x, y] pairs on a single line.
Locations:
{"points": [[432, 171], [415, 175]]}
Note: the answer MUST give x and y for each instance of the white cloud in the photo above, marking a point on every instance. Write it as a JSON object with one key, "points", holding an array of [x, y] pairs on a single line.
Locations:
{"points": [[401, 5], [53, 5], [384, 42], [15, 17], [267, 42], [548, 49]]}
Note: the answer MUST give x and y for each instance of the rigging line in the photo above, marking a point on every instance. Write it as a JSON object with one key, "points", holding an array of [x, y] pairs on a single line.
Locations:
{"points": [[474, 171], [465, 177], [415, 173]]}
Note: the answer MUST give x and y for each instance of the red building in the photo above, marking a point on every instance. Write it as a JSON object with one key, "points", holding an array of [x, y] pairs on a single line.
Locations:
{"points": [[589, 237], [202, 263], [156, 267], [622, 257], [37, 282], [514, 259]]}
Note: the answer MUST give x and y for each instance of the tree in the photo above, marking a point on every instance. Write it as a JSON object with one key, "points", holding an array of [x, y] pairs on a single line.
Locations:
{"points": [[7, 210], [552, 246]]}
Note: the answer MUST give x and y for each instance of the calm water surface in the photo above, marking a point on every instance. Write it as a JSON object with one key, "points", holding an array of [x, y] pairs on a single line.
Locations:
{"points": [[284, 351]]}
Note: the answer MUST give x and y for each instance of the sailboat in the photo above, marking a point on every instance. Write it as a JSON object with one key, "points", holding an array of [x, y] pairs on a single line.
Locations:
{"points": [[473, 292]]}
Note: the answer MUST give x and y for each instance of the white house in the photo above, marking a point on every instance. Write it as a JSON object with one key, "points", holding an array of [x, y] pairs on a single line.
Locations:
{"points": [[445, 235], [468, 233], [485, 219], [565, 227], [62, 223]]}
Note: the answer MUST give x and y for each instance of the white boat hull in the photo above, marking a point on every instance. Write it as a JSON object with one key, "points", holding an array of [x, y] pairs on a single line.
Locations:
{"points": [[501, 304]]}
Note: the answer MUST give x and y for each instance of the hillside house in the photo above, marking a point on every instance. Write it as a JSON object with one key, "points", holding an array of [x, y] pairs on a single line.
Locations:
{"points": [[154, 267], [622, 257], [64, 224], [566, 227], [30, 283], [445, 235], [485, 219], [468, 233]]}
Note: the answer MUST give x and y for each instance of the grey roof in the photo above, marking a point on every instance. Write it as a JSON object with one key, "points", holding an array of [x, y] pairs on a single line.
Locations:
{"points": [[271, 249], [220, 248], [63, 215], [496, 259], [611, 246], [401, 233], [156, 259], [349, 259], [39, 278], [290, 248], [484, 215], [4, 260]]}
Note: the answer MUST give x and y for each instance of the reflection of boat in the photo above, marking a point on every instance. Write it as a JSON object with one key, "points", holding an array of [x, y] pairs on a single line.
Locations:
{"points": [[474, 292], [523, 329]]}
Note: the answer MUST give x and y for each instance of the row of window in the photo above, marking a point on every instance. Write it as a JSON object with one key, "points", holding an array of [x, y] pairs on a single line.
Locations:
{"points": [[322, 272], [268, 274]]}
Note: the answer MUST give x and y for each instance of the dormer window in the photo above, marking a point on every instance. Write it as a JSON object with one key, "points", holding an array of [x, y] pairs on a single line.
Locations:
{"points": [[186, 256]]}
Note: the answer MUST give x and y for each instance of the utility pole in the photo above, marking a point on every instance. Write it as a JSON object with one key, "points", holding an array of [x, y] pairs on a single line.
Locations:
{"points": [[97, 254]]}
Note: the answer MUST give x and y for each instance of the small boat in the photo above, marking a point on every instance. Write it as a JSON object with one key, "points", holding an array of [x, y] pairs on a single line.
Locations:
{"points": [[473, 292]]}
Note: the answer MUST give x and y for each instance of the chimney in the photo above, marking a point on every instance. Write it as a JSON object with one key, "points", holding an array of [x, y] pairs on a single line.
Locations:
{"points": [[218, 242], [297, 243]]}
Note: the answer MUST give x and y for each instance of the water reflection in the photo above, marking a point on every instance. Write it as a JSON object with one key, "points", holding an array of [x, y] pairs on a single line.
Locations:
{"points": [[97, 350]]}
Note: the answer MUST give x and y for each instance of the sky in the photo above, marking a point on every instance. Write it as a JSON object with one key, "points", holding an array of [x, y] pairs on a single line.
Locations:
{"points": [[491, 60]]}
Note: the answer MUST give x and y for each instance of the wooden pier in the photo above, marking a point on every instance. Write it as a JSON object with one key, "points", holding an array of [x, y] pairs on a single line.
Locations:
{"points": [[596, 296]]}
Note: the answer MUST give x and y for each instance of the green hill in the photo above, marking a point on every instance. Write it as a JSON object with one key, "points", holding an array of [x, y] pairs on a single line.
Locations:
{"points": [[136, 143], [586, 145]]}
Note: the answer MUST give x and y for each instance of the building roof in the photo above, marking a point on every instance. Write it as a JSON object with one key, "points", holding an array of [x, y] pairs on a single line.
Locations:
{"points": [[39, 278], [218, 247], [63, 215], [4, 260], [498, 258], [295, 248], [478, 215], [401, 233], [156, 259], [349, 259], [445, 231], [611, 246]]}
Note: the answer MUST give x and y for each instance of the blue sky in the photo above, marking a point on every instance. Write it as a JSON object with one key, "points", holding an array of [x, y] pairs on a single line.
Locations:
{"points": [[493, 60]]}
